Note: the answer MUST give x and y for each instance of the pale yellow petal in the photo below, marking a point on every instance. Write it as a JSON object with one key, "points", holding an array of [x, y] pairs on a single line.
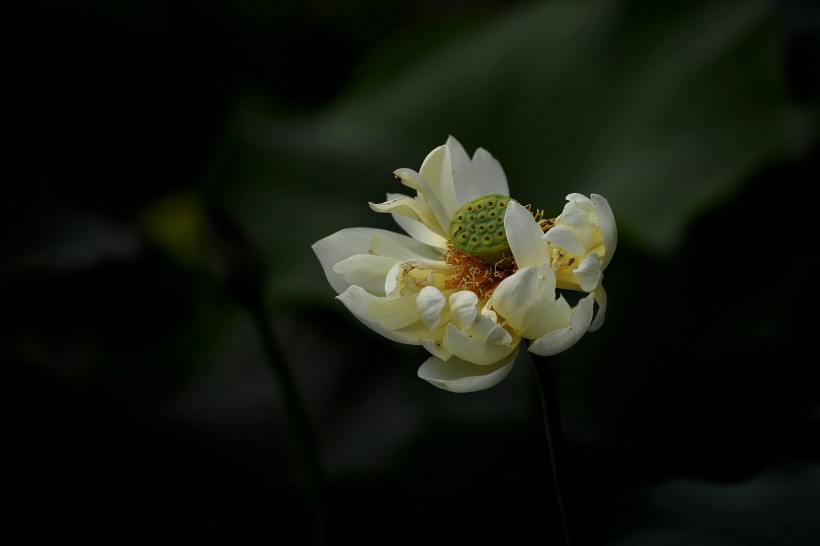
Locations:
{"points": [[457, 375], [358, 300]]}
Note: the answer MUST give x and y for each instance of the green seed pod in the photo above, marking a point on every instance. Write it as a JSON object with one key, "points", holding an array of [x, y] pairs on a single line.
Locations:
{"points": [[477, 228]]}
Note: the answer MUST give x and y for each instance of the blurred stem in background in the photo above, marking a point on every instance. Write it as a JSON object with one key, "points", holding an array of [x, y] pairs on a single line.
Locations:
{"points": [[240, 270], [555, 444]]}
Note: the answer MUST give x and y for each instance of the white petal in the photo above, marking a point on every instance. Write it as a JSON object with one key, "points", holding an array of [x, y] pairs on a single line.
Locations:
{"points": [[490, 331], [525, 237], [342, 245], [589, 273], [431, 302], [561, 340], [397, 245], [489, 175], [598, 321], [474, 349], [464, 306], [549, 317], [437, 172], [410, 207], [366, 270], [357, 300], [457, 375], [514, 295], [462, 168], [412, 179], [606, 223]]}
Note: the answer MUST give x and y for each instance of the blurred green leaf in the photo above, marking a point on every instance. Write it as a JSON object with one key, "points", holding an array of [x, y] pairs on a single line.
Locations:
{"points": [[663, 110]]}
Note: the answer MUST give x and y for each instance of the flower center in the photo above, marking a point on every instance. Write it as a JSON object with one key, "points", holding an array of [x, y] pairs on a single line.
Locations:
{"points": [[477, 228]]}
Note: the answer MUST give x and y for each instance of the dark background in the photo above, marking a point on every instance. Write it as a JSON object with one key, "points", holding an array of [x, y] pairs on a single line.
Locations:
{"points": [[139, 400]]}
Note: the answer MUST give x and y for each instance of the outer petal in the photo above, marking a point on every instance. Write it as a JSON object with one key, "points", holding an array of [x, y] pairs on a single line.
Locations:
{"points": [[457, 375], [357, 300], [606, 224], [561, 340], [351, 241], [474, 349], [525, 237]]}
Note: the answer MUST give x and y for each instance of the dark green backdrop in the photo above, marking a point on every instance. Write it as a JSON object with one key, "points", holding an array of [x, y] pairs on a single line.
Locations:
{"points": [[139, 402]]}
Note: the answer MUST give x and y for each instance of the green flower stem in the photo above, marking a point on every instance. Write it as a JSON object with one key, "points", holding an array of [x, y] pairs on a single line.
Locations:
{"points": [[307, 449], [555, 440]]}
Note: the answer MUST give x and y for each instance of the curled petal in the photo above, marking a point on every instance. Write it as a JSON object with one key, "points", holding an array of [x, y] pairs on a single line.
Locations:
{"points": [[561, 340], [457, 375]]}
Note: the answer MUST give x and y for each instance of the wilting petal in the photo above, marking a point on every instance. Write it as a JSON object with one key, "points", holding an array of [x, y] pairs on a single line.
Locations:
{"points": [[474, 349], [525, 237], [589, 273], [394, 314], [431, 302], [357, 300], [561, 340], [366, 270], [457, 375], [607, 227]]}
